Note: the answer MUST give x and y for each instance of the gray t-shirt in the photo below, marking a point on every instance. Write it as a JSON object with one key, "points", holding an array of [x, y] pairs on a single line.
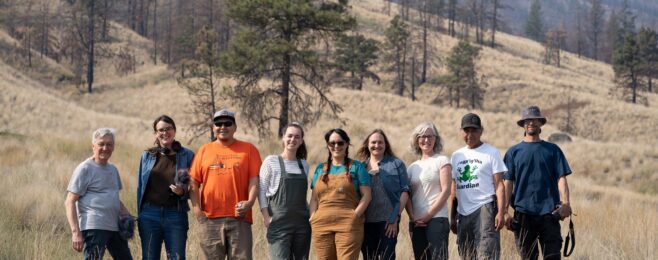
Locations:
{"points": [[98, 187]]}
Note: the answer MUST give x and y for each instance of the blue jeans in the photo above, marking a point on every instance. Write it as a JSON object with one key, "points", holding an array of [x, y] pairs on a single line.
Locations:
{"points": [[157, 224], [97, 240], [376, 245]]}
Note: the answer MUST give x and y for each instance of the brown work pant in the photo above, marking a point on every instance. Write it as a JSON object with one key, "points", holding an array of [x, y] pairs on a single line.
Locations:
{"points": [[337, 245], [225, 237]]}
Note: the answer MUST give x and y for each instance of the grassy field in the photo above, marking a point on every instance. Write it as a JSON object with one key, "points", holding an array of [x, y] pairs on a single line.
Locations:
{"points": [[611, 223], [45, 130]]}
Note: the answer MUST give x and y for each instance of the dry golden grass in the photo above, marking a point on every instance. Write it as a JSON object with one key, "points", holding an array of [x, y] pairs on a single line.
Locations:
{"points": [[611, 223], [45, 134], [517, 78]]}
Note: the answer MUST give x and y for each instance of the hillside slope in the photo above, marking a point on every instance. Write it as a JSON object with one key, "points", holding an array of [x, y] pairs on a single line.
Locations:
{"points": [[607, 127], [45, 131], [516, 77]]}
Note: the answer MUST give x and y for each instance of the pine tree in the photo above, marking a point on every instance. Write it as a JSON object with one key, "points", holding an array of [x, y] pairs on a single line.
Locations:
{"points": [[355, 55], [464, 82], [452, 16], [580, 31], [534, 27], [200, 79], [614, 36], [626, 64], [647, 44], [271, 59], [397, 43], [626, 18], [595, 28]]}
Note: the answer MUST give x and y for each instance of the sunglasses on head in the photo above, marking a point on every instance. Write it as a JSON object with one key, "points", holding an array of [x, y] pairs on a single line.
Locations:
{"points": [[223, 123], [334, 143]]}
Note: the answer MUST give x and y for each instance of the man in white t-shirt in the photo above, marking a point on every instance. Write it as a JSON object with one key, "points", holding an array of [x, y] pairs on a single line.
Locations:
{"points": [[477, 194]]}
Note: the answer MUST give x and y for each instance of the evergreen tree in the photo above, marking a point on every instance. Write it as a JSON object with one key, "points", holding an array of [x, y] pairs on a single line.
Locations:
{"points": [[464, 82], [272, 58], [614, 36], [200, 79], [355, 55], [579, 31], [534, 27], [626, 18], [452, 16], [647, 44], [396, 45], [627, 64], [595, 27], [495, 20]]}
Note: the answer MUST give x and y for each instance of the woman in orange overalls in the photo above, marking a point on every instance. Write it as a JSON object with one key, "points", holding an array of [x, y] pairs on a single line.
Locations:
{"points": [[341, 193]]}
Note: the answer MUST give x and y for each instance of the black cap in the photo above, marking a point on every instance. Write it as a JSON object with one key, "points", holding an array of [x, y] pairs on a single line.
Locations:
{"points": [[471, 120]]}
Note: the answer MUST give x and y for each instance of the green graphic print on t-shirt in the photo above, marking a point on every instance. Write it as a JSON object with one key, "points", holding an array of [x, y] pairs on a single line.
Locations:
{"points": [[467, 174]]}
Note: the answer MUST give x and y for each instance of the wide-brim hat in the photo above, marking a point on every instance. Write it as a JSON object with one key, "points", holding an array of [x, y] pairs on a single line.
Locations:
{"points": [[531, 112]]}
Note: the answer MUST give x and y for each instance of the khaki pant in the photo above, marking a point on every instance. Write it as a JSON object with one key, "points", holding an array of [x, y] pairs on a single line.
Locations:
{"points": [[225, 237]]}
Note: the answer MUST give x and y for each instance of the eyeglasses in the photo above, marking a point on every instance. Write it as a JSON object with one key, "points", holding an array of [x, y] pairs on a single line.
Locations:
{"points": [[224, 124], [164, 130], [428, 137], [336, 143]]}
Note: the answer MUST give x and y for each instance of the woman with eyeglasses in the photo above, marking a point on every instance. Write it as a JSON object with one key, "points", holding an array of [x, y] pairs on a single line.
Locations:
{"points": [[430, 188], [282, 198], [162, 193], [390, 191], [340, 196]]}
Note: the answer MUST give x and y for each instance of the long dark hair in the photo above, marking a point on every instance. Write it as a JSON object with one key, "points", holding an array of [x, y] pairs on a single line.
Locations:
{"points": [[348, 163], [364, 152], [157, 148], [301, 151]]}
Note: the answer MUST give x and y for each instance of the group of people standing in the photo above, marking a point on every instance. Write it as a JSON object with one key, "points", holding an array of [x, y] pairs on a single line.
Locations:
{"points": [[355, 204]]}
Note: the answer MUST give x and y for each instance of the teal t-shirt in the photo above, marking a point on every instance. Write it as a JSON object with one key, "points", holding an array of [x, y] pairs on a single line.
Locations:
{"points": [[360, 176]]}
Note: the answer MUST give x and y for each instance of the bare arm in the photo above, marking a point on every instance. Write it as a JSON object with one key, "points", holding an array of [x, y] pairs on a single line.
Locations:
{"points": [[563, 187], [72, 217], [410, 209], [446, 181], [499, 220], [253, 195], [453, 207], [194, 198], [313, 204], [404, 197], [508, 187], [123, 211], [366, 196]]}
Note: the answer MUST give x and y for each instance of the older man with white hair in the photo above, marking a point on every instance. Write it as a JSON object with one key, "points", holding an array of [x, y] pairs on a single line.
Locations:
{"points": [[92, 204]]}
